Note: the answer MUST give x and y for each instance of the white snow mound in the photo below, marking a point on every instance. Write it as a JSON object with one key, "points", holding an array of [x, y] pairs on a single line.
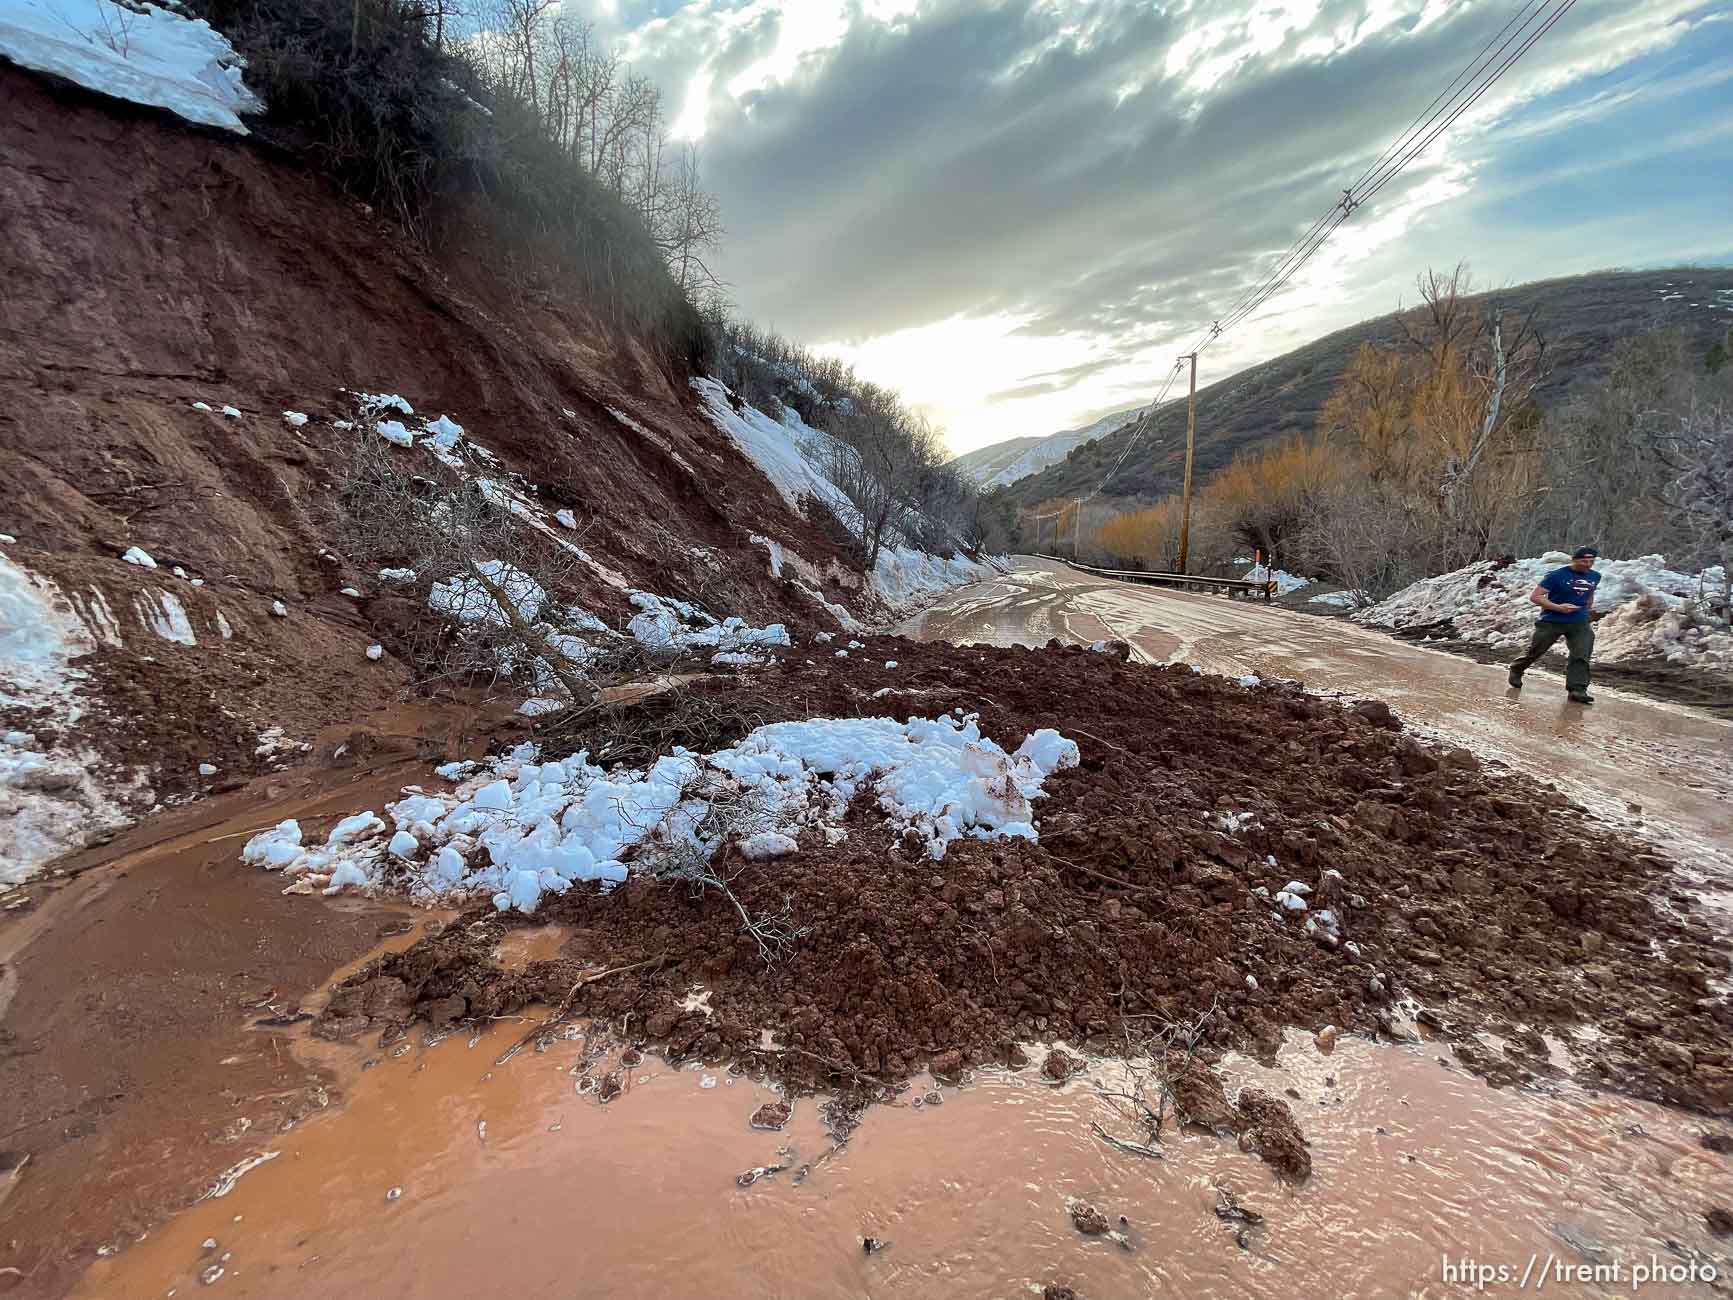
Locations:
{"points": [[151, 56]]}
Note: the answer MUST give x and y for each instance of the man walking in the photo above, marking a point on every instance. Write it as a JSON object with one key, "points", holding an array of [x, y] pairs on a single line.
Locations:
{"points": [[1565, 596]]}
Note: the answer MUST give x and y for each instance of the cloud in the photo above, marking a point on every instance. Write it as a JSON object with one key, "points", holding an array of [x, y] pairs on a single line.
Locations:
{"points": [[1100, 179]]}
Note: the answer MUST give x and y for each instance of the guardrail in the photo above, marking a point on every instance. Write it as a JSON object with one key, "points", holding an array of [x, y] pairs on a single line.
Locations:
{"points": [[1229, 585]]}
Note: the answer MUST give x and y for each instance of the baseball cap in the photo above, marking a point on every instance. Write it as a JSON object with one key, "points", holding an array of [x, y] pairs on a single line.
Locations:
{"points": [[1585, 551]]}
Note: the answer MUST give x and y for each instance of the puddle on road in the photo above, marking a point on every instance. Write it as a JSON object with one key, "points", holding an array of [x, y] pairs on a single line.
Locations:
{"points": [[512, 1182], [520, 947]]}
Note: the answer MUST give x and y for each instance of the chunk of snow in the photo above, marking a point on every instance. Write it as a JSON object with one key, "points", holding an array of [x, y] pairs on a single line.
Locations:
{"points": [[537, 705], [737, 659], [403, 845], [566, 518], [444, 432], [671, 625], [202, 406], [1249, 680], [295, 418], [890, 663], [375, 652], [350, 592], [497, 795], [397, 575], [279, 609], [276, 848], [6, 539], [387, 402], [1297, 887], [348, 875], [361, 826], [767, 844], [824, 638], [207, 769], [393, 431], [233, 412], [1047, 751], [137, 555], [152, 56], [857, 645], [840, 654], [1292, 902], [163, 614]]}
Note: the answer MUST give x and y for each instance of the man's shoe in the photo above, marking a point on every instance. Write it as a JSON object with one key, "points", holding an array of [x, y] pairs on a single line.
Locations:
{"points": [[1515, 680], [1581, 697]]}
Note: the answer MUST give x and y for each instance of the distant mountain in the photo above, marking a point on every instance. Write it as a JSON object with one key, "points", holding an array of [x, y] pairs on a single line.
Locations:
{"points": [[1581, 317], [1004, 463]]}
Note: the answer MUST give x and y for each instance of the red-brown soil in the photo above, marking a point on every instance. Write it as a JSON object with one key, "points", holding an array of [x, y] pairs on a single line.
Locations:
{"points": [[147, 266], [1477, 897]]}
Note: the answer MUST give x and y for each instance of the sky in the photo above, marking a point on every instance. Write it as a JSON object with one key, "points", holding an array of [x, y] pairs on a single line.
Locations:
{"points": [[1018, 212]]}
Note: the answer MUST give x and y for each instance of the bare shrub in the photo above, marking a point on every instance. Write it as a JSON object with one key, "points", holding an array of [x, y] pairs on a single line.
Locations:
{"points": [[486, 583]]}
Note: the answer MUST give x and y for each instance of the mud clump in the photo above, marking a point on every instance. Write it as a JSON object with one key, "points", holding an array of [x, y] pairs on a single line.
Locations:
{"points": [[772, 1115], [1058, 1293], [1060, 1066], [1721, 1143], [1198, 1095], [1267, 1129], [1149, 897], [1720, 1221], [1088, 1220]]}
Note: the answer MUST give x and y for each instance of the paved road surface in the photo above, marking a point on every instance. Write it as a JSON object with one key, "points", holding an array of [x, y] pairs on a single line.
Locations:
{"points": [[1674, 764]]}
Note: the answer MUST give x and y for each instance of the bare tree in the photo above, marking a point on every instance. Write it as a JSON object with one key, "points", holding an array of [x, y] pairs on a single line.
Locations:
{"points": [[1699, 452]]}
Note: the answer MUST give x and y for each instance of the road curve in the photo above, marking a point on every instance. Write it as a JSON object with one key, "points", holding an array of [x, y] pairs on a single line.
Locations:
{"points": [[1663, 771]]}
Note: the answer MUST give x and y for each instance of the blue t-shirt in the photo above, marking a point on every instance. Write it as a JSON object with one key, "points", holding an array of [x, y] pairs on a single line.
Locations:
{"points": [[1568, 587]]}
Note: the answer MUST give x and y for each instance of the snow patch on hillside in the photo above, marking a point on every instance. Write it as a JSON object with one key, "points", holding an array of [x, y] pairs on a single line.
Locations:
{"points": [[792, 455], [1651, 611], [154, 57], [520, 829], [49, 799], [989, 472]]}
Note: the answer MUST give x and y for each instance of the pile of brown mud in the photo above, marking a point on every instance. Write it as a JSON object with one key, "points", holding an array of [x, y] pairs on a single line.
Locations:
{"points": [[1472, 901]]}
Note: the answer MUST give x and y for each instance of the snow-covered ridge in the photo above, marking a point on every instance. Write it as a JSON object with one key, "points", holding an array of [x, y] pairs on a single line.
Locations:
{"points": [[518, 829], [1651, 611], [989, 472], [151, 55]]}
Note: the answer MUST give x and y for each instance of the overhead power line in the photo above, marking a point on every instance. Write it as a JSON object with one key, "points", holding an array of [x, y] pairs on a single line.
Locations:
{"points": [[1533, 19]]}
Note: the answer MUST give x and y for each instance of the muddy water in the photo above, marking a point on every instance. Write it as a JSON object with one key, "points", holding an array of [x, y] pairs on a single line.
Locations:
{"points": [[1660, 770], [512, 1182]]}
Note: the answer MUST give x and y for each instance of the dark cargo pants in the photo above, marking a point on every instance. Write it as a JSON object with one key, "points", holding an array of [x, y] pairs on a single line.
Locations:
{"points": [[1579, 640]]}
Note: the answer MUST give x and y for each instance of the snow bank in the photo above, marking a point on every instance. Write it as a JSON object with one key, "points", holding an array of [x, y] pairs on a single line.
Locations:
{"points": [[1341, 599], [1285, 581], [154, 57], [519, 829], [1651, 611]]}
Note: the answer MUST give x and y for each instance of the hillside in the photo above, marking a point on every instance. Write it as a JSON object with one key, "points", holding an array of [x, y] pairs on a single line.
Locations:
{"points": [[191, 326], [1581, 317], [1004, 463]]}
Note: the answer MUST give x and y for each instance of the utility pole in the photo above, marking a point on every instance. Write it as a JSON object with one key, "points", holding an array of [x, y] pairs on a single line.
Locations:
{"points": [[1190, 441], [1076, 524]]}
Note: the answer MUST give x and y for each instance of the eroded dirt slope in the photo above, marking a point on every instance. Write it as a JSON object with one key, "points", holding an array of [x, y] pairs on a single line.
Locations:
{"points": [[148, 266]]}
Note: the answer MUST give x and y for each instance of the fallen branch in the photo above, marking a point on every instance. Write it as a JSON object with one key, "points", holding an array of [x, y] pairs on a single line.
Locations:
{"points": [[1120, 1144], [565, 1006]]}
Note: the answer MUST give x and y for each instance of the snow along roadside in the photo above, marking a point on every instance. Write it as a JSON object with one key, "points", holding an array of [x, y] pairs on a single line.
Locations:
{"points": [[518, 829], [1650, 611]]}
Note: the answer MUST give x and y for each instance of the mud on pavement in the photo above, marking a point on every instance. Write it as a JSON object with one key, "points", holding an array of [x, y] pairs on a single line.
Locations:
{"points": [[1471, 899]]}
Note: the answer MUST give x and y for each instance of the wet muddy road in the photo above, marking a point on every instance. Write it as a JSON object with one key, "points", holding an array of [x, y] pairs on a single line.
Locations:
{"points": [[513, 1178], [450, 1174], [1663, 770]]}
